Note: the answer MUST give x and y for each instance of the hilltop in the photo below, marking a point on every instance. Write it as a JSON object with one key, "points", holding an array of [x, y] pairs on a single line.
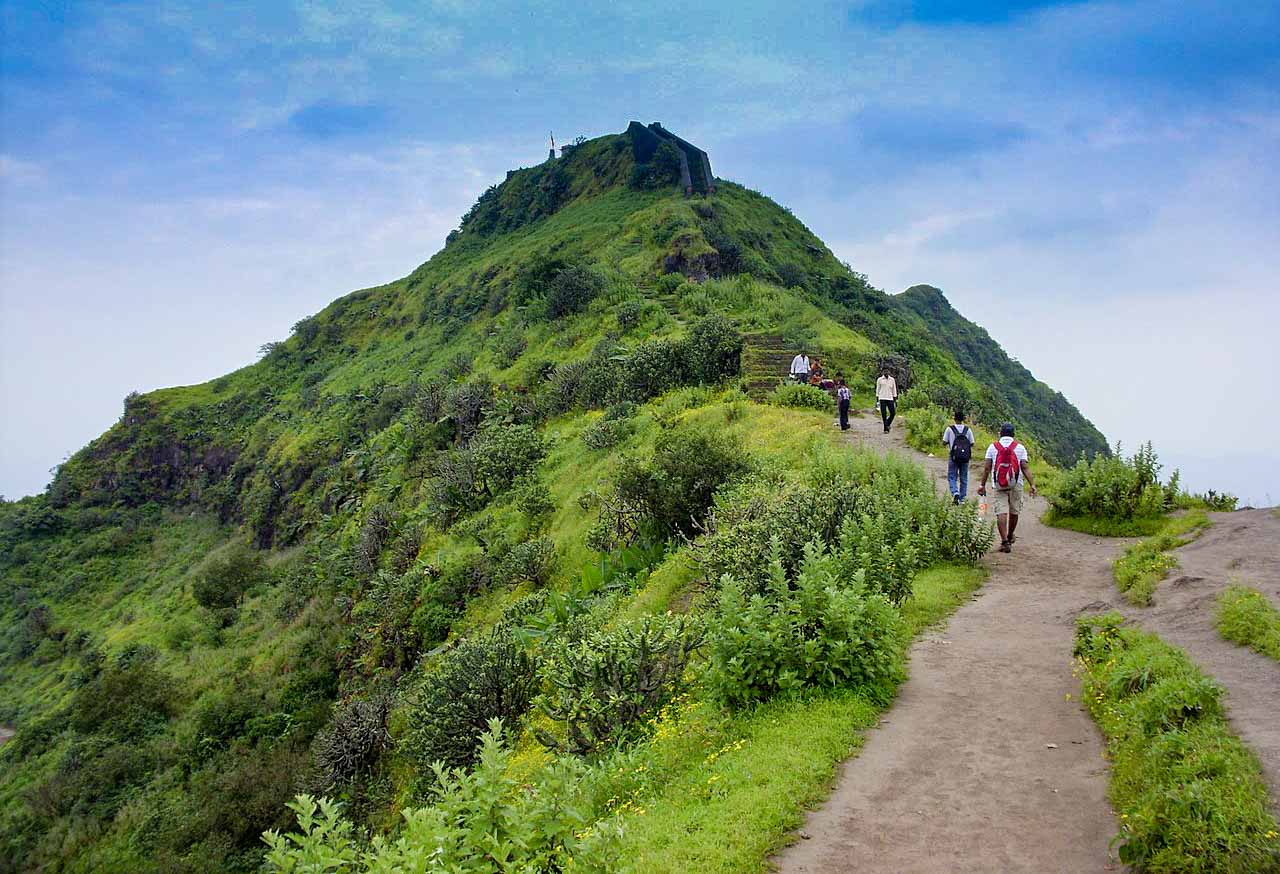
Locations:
{"points": [[240, 590]]}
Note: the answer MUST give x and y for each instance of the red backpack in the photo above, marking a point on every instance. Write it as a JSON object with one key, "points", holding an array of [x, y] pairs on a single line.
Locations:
{"points": [[1007, 467]]}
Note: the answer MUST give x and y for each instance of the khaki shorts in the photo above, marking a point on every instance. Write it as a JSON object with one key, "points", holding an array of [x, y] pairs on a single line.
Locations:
{"points": [[1007, 501]]}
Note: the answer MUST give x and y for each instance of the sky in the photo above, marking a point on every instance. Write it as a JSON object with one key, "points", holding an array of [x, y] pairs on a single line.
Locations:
{"points": [[1096, 183]]}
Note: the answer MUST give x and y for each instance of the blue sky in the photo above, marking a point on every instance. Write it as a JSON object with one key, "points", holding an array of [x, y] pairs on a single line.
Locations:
{"points": [[1095, 183]]}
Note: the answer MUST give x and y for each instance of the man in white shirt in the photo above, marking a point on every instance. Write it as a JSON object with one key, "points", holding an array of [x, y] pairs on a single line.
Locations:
{"points": [[887, 396], [1006, 464], [959, 441], [800, 368]]}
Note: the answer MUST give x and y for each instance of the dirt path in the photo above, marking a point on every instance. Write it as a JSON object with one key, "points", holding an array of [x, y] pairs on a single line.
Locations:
{"points": [[1241, 547], [982, 764]]}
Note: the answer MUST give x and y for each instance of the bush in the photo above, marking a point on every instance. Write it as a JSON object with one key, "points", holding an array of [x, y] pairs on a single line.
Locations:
{"points": [[606, 433], [713, 350], [506, 453], [465, 404], [826, 631], [630, 313], [661, 171], [651, 369], [486, 678], [571, 290], [603, 686], [801, 397], [480, 820], [124, 700], [924, 426], [1114, 487], [880, 512], [530, 562], [222, 581], [670, 494], [352, 744], [1189, 794]]}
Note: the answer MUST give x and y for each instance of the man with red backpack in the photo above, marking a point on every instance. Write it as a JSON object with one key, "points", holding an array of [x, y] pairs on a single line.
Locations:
{"points": [[1006, 465]]}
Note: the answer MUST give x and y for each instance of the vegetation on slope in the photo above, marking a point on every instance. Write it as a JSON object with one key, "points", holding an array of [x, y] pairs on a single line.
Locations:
{"points": [[1065, 433], [254, 587]]}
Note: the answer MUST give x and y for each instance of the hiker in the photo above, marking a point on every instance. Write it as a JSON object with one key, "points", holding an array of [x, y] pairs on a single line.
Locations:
{"points": [[1006, 464], [800, 368], [887, 397], [843, 396], [959, 441]]}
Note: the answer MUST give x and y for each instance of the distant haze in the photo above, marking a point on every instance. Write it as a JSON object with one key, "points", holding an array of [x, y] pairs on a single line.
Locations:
{"points": [[1094, 183]]}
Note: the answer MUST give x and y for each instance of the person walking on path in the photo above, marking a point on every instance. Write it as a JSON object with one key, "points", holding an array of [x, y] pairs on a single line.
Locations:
{"points": [[800, 368], [843, 397], [959, 440], [887, 396], [1006, 464]]}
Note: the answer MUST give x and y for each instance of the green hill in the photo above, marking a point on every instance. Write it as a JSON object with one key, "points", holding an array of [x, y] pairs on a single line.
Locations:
{"points": [[247, 588]]}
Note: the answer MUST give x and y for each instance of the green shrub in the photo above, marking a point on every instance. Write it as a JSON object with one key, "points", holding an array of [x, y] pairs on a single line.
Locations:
{"points": [[530, 562], [481, 822], [824, 630], [713, 350], [669, 495], [603, 686], [1247, 617], [879, 512], [490, 677], [572, 289], [661, 170], [606, 433], [924, 427], [630, 313], [126, 699], [801, 397], [222, 581], [351, 745], [505, 453], [1115, 487], [1189, 795], [651, 369]]}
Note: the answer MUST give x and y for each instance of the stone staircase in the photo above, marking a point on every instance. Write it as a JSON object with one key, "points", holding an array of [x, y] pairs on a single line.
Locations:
{"points": [[766, 361]]}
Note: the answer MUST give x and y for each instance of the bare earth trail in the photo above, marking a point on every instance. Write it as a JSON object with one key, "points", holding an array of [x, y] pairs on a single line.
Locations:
{"points": [[1241, 547], [982, 763]]}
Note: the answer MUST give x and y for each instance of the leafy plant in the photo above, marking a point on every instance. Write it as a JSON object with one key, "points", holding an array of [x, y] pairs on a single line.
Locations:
{"points": [[603, 686], [1115, 487], [490, 677], [222, 581], [822, 629], [482, 821], [801, 397]]}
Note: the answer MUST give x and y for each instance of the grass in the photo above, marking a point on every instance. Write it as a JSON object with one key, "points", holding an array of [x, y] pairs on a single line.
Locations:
{"points": [[1188, 794], [1142, 566], [1246, 616], [1100, 527], [721, 792]]}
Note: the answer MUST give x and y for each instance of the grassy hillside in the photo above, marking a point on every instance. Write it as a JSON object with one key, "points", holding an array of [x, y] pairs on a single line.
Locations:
{"points": [[263, 585], [1062, 430]]}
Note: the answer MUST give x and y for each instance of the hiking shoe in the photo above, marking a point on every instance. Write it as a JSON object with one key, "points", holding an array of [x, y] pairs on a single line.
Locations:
{"points": [[1013, 538], [957, 500], [1004, 546]]}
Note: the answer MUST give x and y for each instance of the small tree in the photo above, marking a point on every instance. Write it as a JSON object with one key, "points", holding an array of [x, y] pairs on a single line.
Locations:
{"points": [[222, 581]]}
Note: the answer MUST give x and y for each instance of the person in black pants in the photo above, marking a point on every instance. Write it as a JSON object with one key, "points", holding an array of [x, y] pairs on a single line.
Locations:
{"points": [[843, 396], [887, 396]]}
